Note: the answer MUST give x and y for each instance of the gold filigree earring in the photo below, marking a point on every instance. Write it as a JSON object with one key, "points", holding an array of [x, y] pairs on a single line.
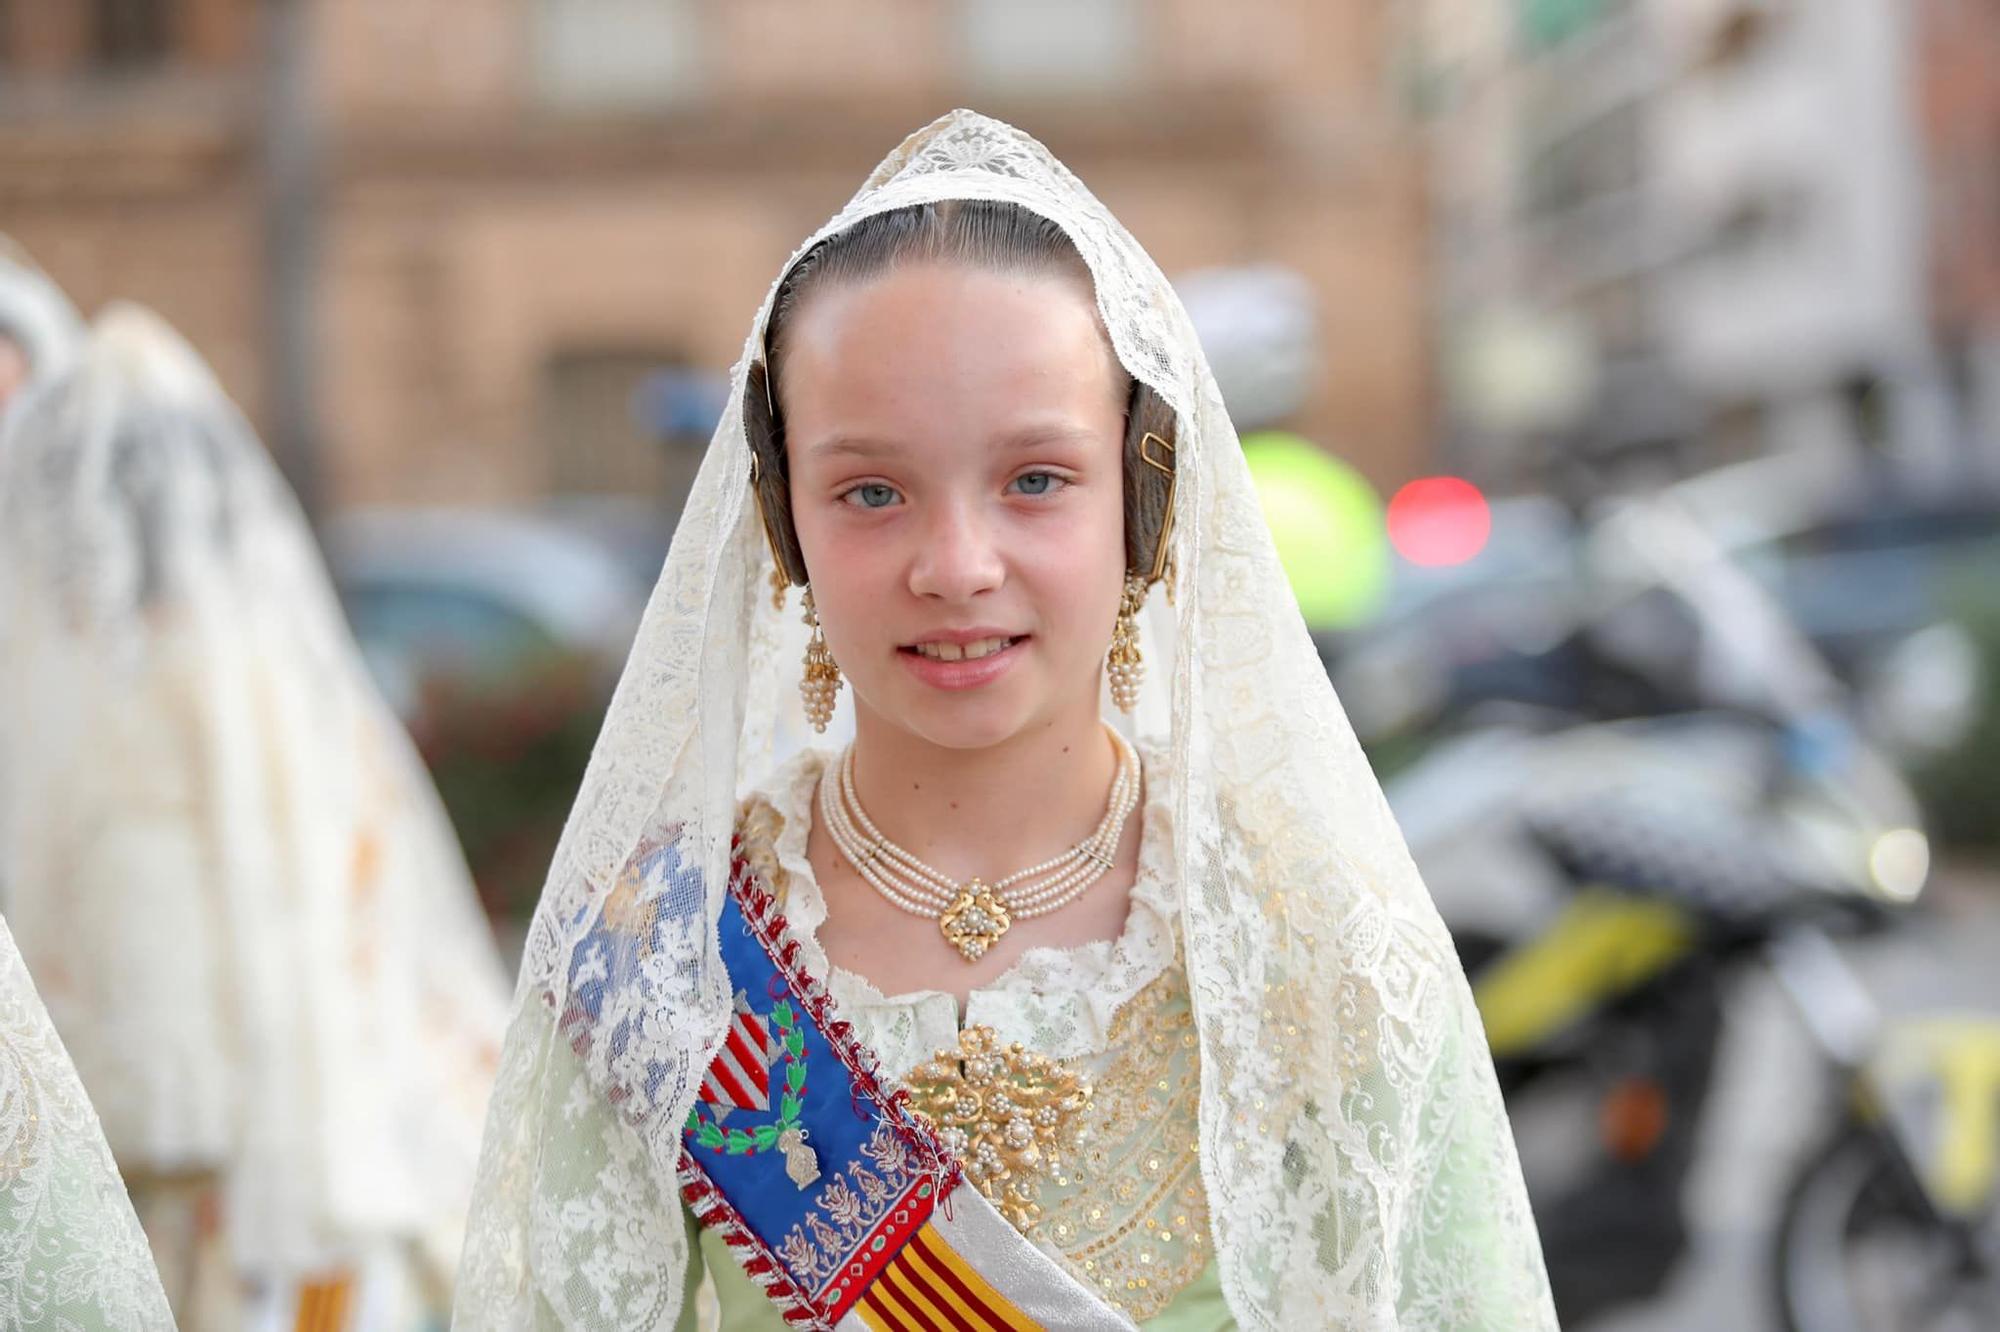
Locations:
{"points": [[821, 681], [1125, 666]]}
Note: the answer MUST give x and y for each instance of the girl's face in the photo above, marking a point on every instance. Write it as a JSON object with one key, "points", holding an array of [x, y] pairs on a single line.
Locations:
{"points": [[956, 446]]}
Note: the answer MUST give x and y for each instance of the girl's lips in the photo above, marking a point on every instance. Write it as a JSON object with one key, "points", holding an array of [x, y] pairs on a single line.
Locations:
{"points": [[962, 674]]}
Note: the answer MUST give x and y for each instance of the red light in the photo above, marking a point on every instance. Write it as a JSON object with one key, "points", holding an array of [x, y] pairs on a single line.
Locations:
{"points": [[1440, 520]]}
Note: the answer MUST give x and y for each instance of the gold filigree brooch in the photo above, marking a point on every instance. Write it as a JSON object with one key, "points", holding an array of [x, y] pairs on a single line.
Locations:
{"points": [[1006, 1112]]}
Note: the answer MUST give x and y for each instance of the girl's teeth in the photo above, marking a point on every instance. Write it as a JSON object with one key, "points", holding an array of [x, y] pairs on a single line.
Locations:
{"points": [[968, 652]]}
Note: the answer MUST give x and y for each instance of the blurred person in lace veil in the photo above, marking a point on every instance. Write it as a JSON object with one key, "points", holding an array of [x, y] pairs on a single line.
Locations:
{"points": [[39, 329], [224, 863], [39, 334], [993, 1014], [72, 1255]]}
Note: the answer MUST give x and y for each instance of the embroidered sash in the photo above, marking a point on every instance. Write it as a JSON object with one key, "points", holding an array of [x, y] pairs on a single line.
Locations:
{"points": [[840, 1203]]}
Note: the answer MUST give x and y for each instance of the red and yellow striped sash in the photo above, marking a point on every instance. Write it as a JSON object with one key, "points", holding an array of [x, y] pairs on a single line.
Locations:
{"points": [[929, 1286]]}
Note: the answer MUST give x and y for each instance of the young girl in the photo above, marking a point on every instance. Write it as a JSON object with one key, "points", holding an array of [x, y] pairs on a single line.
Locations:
{"points": [[997, 1015]]}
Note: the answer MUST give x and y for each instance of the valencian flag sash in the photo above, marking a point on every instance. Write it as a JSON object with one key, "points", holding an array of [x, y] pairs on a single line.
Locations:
{"points": [[837, 1200]]}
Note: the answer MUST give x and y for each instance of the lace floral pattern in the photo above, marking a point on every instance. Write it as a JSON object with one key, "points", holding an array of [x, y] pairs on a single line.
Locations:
{"points": [[1353, 1144], [72, 1255]]}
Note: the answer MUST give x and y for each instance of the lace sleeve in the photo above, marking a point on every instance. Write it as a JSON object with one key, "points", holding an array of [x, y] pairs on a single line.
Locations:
{"points": [[569, 1225], [691, 1317], [1467, 1249], [72, 1255]]}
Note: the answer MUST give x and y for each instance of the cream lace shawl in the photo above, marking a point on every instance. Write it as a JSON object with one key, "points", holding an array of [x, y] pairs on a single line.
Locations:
{"points": [[1354, 1148], [72, 1255]]}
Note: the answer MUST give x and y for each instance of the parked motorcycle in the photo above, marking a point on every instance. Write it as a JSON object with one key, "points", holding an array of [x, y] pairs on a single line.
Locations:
{"points": [[1609, 882]]}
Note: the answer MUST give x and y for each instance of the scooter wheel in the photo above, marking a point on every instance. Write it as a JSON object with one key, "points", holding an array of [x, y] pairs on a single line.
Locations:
{"points": [[1858, 1249]]}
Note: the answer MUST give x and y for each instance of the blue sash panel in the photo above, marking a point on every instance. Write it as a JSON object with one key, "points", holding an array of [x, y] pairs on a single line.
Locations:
{"points": [[820, 1189]]}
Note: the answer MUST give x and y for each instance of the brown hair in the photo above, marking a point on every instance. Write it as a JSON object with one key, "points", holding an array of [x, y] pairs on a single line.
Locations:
{"points": [[993, 235]]}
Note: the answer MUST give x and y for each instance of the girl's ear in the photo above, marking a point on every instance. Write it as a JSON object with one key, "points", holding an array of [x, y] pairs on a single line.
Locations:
{"points": [[770, 475], [1149, 479]]}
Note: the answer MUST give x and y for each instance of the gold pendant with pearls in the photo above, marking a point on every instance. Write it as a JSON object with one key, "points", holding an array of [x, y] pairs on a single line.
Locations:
{"points": [[975, 921]]}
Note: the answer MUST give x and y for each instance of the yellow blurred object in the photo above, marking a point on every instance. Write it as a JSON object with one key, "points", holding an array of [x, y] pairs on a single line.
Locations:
{"points": [[1328, 524], [1602, 944], [1960, 1057]]}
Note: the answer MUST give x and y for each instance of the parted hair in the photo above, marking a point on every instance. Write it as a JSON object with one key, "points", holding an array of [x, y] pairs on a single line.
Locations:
{"points": [[1002, 237]]}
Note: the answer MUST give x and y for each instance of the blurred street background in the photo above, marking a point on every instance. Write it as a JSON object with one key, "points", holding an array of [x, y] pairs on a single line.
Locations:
{"points": [[1622, 378]]}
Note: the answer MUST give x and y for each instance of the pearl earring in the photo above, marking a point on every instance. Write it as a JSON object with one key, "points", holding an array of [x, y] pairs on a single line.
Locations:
{"points": [[1125, 665], [821, 682]]}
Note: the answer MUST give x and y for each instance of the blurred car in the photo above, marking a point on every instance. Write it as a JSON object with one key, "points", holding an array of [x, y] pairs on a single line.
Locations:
{"points": [[1877, 585], [634, 530], [1891, 594], [1863, 577], [1481, 628], [476, 598]]}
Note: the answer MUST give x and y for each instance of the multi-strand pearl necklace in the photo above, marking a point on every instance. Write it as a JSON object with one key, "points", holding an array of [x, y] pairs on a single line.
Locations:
{"points": [[974, 915]]}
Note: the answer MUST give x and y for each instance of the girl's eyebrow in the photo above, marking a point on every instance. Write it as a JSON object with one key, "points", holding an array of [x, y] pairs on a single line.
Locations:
{"points": [[1041, 435], [1034, 436], [852, 446]]}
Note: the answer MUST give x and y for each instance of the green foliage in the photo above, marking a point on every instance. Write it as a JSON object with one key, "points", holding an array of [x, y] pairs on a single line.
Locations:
{"points": [[1959, 789], [1547, 23], [762, 1138], [508, 757]]}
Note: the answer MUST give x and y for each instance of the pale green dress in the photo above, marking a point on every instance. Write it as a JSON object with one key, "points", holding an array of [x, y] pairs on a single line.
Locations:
{"points": [[1125, 1210]]}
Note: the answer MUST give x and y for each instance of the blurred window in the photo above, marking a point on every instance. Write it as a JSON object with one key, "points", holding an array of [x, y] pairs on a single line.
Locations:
{"points": [[116, 37], [133, 34], [1741, 28], [1597, 158], [62, 37], [594, 421], [616, 55], [1050, 45], [1769, 219], [1616, 311]]}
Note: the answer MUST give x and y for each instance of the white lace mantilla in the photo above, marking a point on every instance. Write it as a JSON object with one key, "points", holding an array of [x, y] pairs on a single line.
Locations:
{"points": [[1353, 1144], [72, 1255]]}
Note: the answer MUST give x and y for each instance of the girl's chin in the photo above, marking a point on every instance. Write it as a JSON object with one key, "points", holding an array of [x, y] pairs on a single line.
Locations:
{"points": [[970, 728], [972, 720]]}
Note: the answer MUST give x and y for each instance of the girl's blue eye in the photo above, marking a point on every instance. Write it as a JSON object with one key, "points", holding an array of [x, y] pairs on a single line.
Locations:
{"points": [[1037, 483], [873, 495]]}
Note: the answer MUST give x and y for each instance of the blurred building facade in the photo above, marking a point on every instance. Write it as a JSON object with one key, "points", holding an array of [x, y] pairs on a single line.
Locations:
{"points": [[467, 233], [1546, 244], [1958, 44], [1671, 233], [1794, 180]]}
